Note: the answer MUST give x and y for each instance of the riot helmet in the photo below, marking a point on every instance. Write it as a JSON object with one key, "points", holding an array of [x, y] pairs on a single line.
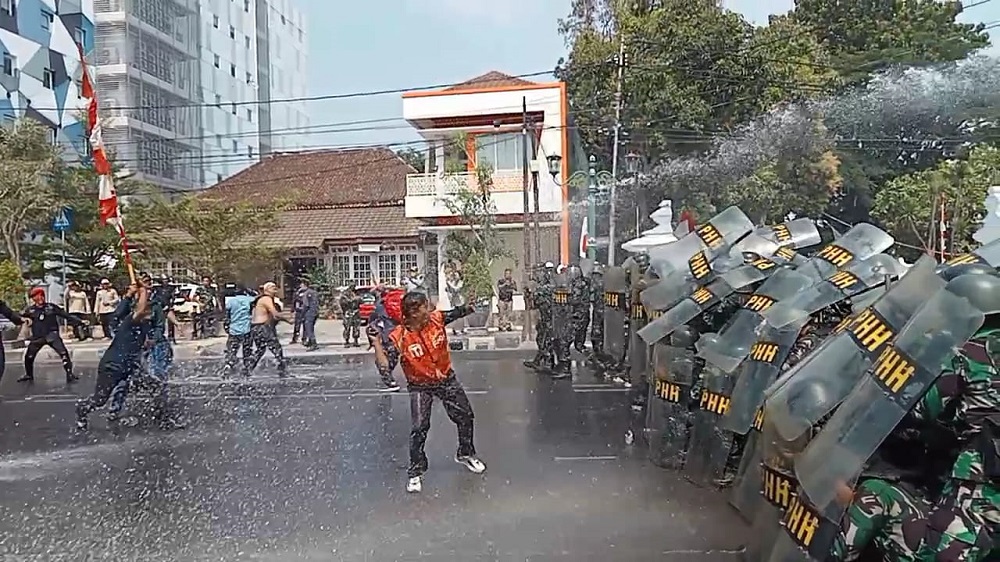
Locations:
{"points": [[684, 337], [574, 272], [949, 272], [980, 286], [597, 270], [641, 260]]}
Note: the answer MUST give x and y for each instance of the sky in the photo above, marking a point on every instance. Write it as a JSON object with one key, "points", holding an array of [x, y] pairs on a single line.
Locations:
{"points": [[401, 44]]}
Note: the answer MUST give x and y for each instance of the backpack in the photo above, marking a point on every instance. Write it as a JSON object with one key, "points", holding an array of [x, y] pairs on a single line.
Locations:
{"points": [[392, 301]]}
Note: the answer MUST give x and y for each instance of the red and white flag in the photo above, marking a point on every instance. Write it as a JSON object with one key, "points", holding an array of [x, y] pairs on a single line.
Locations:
{"points": [[108, 211], [584, 238]]}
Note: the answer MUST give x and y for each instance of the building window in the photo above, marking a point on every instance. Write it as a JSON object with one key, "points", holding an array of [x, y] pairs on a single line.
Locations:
{"points": [[218, 140], [215, 22], [250, 152], [387, 271], [80, 36], [301, 36], [7, 6], [218, 101], [50, 135], [218, 178], [232, 32], [9, 64], [236, 147], [217, 61], [362, 269], [341, 269], [249, 78], [282, 19], [232, 70], [250, 115], [48, 78], [246, 6], [233, 109], [407, 262], [246, 39], [47, 19], [500, 151]]}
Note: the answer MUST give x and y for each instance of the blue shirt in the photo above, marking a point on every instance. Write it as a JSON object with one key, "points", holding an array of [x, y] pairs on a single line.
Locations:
{"points": [[238, 310], [126, 346]]}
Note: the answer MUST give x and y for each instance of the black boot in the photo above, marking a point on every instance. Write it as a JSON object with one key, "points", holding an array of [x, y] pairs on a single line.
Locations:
{"points": [[71, 378], [26, 378], [562, 371]]}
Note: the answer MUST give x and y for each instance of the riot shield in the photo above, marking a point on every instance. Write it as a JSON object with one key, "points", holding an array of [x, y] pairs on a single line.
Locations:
{"points": [[807, 392], [806, 533], [745, 495], [710, 445], [730, 347], [755, 271], [859, 243], [988, 254], [562, 309], [638, 355], [845, 283], [797, 233], [899, 377], [699, 301], [667, 408], [776, 488], [757, 372], [710, 239], [615, 312]]}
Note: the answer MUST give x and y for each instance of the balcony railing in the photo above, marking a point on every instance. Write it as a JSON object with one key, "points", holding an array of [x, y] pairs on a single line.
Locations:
{"points": [[435, 185]]}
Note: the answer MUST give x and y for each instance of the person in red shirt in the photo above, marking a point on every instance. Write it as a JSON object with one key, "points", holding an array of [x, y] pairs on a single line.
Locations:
{"points": [[421, 341]]}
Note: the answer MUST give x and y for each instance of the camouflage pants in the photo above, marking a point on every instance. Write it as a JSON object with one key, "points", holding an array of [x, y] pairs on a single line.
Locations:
{"points": [[963, 524], [597, 330], [885, 515]]}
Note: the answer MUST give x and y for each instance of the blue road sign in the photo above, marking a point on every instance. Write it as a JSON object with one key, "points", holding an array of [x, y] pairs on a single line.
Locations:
{"points": [[63, 221]]}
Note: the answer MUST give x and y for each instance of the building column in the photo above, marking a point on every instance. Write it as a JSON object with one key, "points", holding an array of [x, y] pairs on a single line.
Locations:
{"points": [[443, 302]]}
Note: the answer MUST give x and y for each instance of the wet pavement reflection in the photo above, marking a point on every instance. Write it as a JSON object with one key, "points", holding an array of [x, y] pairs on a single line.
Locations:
{"points": [[313, 468]]}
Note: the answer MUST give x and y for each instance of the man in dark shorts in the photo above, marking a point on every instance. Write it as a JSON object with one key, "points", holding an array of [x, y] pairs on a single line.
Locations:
{"points": [[263, 331]]}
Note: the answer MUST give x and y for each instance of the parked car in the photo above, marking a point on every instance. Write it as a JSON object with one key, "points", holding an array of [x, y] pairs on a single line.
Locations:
{"points": [[368, 299]]}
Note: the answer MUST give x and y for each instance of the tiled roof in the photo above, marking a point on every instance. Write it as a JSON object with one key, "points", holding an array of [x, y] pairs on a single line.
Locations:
{"points": [[311, 228], [491, 79], [318, 179]]}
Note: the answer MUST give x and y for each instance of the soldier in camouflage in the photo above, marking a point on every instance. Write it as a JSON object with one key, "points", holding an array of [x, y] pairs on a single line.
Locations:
{"points": [[964, 522], [580, 296], [541, 298]]}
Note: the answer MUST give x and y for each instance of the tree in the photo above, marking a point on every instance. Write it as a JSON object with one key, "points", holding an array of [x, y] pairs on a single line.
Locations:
{"points": [[202, 235], [910, 206], [413, 157], [12, 289], [478, 248], [28, 162]]}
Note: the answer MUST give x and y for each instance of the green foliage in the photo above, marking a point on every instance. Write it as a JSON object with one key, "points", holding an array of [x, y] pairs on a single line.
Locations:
{"points": [[910, 205], [476, 249], [12, 288], [326, 283], [412, 157], [225, 242], [28, 162]]}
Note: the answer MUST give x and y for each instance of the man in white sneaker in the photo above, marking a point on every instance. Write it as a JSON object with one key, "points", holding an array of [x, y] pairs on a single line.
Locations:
{"points": [[422, 343]]}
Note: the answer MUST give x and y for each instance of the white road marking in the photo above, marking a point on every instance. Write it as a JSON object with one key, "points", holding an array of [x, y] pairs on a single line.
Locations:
{"points": [[596, 458]]}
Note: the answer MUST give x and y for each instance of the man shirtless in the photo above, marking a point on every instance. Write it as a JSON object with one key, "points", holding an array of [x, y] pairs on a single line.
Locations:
{"points": [[263, 331]]}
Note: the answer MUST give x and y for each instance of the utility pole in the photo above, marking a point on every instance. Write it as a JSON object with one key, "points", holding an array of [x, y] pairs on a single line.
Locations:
{"points": [[526, 330], [620, 62]]}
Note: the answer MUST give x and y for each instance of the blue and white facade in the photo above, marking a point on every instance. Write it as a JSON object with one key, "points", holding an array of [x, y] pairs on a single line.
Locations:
{"points": [[41, 64], [253, 57]]}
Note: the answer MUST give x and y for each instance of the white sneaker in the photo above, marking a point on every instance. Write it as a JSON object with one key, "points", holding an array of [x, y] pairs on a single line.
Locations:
{"points": [[414, 485], [472, 463], [393, 388]]}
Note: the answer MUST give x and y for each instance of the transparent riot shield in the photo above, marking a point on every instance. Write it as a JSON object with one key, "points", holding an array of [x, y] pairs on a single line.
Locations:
{"points": [[754, 272], [900, 375], [746, 491], [733, 342], [756, 373], [988, 254], [776, 488], [667, 410], [810, 390], [859, 243], [562, 309], [638, 351], [797, 233], [714, 237], [616, 311], [710, 445], [699, 301], [840, 285], [806, 533]]}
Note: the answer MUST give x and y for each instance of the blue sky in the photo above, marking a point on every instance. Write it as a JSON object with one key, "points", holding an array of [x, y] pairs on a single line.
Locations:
{"points": [[392, 44]]}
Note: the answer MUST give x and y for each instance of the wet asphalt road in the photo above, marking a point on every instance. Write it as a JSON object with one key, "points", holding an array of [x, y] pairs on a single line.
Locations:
{"points": [[314, 469]]}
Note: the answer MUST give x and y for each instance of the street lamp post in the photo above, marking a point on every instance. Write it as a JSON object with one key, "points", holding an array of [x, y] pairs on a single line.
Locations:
{"points": [[597, 184], [633, 163]]}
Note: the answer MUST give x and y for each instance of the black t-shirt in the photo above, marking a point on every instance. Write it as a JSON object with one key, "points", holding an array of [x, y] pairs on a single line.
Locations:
{"points": [[45, 319], [126, 347]]}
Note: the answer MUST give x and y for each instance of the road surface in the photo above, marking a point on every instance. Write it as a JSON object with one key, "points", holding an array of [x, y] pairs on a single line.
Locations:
{"points": [[314, 469]]}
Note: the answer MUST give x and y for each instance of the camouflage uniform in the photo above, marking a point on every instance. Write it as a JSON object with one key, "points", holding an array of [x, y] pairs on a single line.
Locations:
{"points": [[580, 297], [961, 525], [597, 314], [884, 514], [967, 514]]}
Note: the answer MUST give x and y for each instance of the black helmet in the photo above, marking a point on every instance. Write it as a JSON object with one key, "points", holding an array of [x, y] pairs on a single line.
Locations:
{"points": [[597, 269], [949, 272], [981, 286]]}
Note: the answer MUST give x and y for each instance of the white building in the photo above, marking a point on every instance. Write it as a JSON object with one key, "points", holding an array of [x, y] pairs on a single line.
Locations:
{"points": [[192, 89], [253, 57], [487, 112]]}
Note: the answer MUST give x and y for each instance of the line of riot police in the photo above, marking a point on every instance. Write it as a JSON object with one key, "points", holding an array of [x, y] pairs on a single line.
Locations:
{"points": [[851, 404]]}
